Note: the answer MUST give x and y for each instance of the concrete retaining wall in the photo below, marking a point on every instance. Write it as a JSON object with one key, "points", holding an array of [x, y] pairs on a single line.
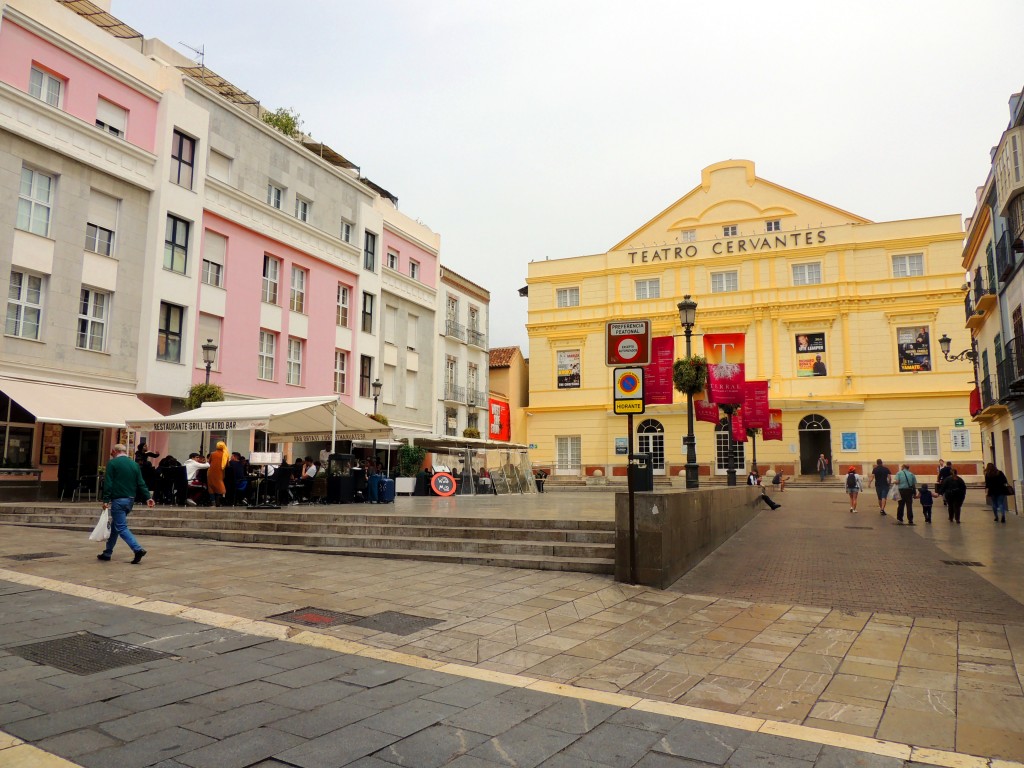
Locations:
{"points": [[678, 529]]}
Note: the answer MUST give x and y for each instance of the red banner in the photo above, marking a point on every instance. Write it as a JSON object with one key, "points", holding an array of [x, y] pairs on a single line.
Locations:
{"points": [[739, 428], [726, 376], [774, 429], [500, 427], [658, 375], [755, 404], [703, 410]]}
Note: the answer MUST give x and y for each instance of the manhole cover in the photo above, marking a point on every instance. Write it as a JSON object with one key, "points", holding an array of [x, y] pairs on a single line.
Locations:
{"points": [[860, 528], [973, 563], [85, 653], [396, 623], [35, 555], [316, 617]]}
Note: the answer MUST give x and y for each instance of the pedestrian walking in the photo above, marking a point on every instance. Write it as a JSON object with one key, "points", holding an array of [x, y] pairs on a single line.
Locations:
{"points": [[853, 485], [945, 470], [997, 488], [822, 466], [881, 478], [926, 499], [906, 484], [954, 490], [122, 485]]}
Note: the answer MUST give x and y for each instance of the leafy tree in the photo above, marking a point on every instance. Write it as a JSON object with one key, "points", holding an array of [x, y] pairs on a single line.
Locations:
{"points": [[286, 120], [203, 393]]}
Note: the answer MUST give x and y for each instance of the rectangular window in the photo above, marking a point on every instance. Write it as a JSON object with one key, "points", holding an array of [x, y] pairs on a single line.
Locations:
{"points": [[274, 195], [414, 269], [365, 374], [99, 239], [412, 330], [101, 221], [340, 371], [24, 305], [35, 198], [168, 340], [92, 320], [346, 231], [451, 377], [111, 118], [410, 389], [302, 209], [208, 331], [176, 245], [451, 422], [648, 289], [45, 87], [908, 265], [267, 352], [215, 248], [368, 299], [688, 236], [568, 453], [294, 361], [724, 282], [567, 297], [218, 166], [921, 443], [390, 324], [341, 317], [183, 159], [392, 259], [729, 230], [807, 274], [297, 302], [271, 277], [773, 226], [370, 252]]}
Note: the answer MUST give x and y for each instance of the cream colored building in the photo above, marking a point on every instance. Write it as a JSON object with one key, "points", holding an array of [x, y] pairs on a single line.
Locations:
{"points": [[800, 278]]}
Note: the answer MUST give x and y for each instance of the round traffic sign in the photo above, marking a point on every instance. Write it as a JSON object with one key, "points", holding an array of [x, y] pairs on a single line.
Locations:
{"points": [[443, 484], [628, 349], [628, 382]]}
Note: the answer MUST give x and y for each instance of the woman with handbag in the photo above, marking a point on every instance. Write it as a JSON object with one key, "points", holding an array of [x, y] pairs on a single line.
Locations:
{"points": [[997, 488]]}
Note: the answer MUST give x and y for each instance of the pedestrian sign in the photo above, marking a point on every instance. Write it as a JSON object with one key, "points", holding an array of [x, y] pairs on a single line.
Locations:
{"points": [[958, 422], [628, 389], [628, 342]]}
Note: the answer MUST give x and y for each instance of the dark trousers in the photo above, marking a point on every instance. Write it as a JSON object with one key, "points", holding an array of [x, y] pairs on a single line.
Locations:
{"points": [[906, 500], [769, 501], [953, 507]]}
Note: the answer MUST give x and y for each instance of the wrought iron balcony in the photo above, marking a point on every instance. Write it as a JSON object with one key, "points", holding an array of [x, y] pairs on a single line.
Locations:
{"points": [[1010, 370], [1006, 259], [477, 339], [454, 394], [983, 287], [989, 392], [455, 330], [476, 397]]}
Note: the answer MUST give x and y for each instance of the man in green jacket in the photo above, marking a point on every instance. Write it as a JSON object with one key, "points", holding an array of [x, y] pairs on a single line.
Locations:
{"points": [[122, 484], [906, 483]]}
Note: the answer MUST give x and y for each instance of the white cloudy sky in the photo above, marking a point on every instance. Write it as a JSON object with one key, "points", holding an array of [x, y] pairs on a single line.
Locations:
{"points": [[549, 128]]}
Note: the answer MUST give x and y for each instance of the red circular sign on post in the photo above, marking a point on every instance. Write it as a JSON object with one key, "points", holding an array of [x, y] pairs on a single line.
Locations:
{"points": [[443, 484]]}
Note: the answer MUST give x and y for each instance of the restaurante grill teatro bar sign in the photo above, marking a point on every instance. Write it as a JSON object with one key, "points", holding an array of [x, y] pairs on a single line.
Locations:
{"points": [[756, 244]]}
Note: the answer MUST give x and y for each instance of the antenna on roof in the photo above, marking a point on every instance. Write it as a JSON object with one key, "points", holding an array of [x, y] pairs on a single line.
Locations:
{"points": [[200, 53]]}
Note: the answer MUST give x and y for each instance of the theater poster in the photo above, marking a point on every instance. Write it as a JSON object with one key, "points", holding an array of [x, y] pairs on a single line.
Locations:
{"points": [[774, 429], [704, 410], [568, 369], [755, 404], [914, 349], [500, 426], [658, 376], [726, 375], [810, 354], [739, 427]]}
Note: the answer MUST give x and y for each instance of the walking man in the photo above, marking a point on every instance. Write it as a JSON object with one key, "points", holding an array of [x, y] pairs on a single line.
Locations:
{"points": [[822, 466], [881, 478], [123, 484], [906, 484], [945, 470]]}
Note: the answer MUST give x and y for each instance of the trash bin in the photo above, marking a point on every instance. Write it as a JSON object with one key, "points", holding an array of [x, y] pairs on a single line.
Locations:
{"points": [[641, 471]]}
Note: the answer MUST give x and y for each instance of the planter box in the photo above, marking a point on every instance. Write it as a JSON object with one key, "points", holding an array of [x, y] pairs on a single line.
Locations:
{"points": [[405, 485]]}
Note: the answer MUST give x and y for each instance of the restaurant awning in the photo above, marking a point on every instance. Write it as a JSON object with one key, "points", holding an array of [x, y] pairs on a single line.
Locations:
{"points": [[286, 419], [76, 406]]}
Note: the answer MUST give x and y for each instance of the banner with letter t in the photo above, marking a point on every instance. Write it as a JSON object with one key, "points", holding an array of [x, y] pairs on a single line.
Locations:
{"points": [[726, 375]]}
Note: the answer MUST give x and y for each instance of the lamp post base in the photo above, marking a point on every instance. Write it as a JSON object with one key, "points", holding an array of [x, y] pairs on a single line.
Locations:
{"points": [[730, 477], [692, 477]]}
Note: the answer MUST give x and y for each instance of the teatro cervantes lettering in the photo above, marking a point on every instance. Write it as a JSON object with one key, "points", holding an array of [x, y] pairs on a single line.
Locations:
{"points": [[733, 245]]}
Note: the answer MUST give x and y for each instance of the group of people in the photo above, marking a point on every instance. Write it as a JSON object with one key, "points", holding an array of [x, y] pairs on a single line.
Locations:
{"points": [[904, 488], [754, 478]]}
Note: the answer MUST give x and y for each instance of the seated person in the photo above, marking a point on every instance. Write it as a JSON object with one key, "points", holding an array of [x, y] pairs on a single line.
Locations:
{"points": [[196, 481], [306, 478], [753, 478], [236, 481], [780, 481]]}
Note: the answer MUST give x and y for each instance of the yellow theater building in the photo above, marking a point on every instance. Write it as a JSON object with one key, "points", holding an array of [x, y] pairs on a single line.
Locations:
{"points": [[802, 280]]}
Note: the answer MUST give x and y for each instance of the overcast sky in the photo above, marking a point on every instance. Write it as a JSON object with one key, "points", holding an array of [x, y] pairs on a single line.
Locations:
{"points": [[541, 129]]}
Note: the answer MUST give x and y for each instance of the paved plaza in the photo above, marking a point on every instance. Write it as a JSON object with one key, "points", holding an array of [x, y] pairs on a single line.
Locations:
{"points": [[812, 637]]}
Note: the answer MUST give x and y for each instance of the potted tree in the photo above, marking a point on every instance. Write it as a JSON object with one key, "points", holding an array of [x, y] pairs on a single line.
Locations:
{"points": [[410, 461]]}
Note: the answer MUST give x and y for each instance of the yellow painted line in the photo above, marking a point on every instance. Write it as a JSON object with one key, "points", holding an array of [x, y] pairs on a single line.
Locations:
{"points": [[27, 756], [837, 739], [947, 759], [7, 741], [587, 694]]}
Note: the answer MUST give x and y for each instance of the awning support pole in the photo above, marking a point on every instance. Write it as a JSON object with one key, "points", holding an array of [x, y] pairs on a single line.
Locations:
{"points": [[334, 424]]}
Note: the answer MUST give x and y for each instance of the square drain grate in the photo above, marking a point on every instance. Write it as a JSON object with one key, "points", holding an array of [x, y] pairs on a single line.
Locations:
{"points": [[973, 563], [35, 555], [316, 617], [396, 623], [85, 653]]}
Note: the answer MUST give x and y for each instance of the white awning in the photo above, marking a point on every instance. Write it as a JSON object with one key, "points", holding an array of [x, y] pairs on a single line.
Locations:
{"points": [[286, 419], [76, 406]]}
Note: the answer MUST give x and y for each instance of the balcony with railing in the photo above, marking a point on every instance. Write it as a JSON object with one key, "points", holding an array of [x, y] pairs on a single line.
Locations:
{"points": [[989, 392], [984, 288], [1011, 370], [972, 318], [454, 394], [476, 338], [454, 329], [476, 398], [1006, 258]]}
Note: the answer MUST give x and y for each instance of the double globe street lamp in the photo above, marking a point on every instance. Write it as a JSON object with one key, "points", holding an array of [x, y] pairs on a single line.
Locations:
{"points": [[687, 318]]}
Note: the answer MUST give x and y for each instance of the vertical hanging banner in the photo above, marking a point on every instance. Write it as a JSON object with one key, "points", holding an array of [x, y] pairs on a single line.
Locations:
{"points": [[755, 404], [726, 375], [739, 427], [658, 377], [774, 429], [705, 410]]}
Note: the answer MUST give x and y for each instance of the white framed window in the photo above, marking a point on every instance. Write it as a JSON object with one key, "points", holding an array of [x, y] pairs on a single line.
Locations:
{"points": [[111, 118], [99, 239], [807, 274], [218, 166], [392, 259], [294, 361], [267, 352], [568, 453], [102, 218], [725, 282], [168, 340], [92, 320], [24, 305], [414, 269], [688, 236], [567, 297], [215, 248], [176, 245], [729, 230], [346, 231], [183, 159], [302, 208], [773, 225], [341, 317], [46, 87], [297, 299], [921, 443], [340, 371], [648, 289], [274, 195], [271, 279], [908, 265], [35, 199]]}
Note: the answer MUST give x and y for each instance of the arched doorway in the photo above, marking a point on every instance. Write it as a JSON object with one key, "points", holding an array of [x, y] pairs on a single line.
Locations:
{"points": [[651, 439], [815, 439], [722, 451]]}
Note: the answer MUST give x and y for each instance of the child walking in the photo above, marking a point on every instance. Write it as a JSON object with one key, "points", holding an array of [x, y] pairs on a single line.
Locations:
{"points": [[926, 498]]}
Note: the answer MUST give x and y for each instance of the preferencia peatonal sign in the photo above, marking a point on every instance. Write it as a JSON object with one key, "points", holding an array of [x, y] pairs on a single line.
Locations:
{"points": [[628, 342]]}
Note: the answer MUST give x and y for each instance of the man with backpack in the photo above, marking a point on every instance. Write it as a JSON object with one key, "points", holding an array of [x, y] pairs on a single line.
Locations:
{"points": [[854, 484], [906, 484], [881, 478]]}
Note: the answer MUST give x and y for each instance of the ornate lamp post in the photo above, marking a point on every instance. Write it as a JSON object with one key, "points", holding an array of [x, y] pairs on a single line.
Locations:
{"points": [[209, 358], [687, 318], [944, 344], [376, 386]]}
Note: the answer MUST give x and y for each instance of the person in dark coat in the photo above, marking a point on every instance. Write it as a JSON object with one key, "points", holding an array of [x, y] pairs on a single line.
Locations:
{"points": [[996, 487], [954, 489]]}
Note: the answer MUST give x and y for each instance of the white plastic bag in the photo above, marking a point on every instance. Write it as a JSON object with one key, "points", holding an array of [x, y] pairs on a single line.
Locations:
{"points": [[102, 530], [894, 492]]}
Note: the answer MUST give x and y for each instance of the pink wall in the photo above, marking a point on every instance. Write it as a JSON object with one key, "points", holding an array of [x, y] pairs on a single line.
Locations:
{"points": [[239, 344], [83, 84], [406, 251]]}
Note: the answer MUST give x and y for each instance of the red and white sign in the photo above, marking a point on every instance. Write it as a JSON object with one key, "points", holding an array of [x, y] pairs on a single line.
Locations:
{"points": [[628, 342]]}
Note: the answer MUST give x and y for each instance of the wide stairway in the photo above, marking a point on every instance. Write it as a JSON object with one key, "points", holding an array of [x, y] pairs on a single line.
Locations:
{"points": [[586, 546]]}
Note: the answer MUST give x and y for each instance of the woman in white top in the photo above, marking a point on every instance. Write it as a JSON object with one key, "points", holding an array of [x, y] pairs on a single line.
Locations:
{"points": [[853, 484]]}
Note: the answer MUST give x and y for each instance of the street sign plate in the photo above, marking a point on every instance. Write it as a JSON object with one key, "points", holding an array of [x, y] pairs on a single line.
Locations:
{"points": [[628, 342], [628, 390]]}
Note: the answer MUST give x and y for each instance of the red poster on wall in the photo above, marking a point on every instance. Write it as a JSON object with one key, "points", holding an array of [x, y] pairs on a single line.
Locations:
{"points": [[658, 376], [703, 410], [500, 420], [739, 427], [774, 429], [726, 375], [755, 404]]}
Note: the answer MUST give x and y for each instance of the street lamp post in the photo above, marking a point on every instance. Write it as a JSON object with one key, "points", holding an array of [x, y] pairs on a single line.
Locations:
{"points": [[377, 386], [687, 317], [944, 345], [209, 358]]}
